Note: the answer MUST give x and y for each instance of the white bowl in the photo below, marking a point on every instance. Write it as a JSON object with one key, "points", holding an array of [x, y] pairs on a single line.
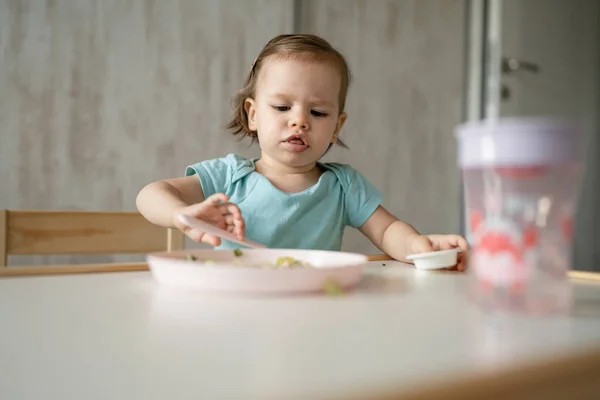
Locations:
{"points": [[435, 259], [222, 274]]}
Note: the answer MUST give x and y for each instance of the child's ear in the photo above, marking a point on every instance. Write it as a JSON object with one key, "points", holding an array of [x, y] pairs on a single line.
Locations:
{"points": [[250, 107], [338, 126]]}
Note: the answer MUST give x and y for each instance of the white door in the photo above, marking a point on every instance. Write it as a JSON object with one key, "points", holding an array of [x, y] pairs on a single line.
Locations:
{"points": [[542, 58]]}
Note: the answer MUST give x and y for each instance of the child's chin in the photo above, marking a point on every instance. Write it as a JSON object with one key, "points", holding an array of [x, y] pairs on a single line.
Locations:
{"points": [[299, 159]]}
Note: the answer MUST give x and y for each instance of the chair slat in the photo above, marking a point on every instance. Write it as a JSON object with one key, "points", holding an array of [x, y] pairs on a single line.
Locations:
{"points": [[72, 269], [175, 240], [81, 232], [3, 239]]}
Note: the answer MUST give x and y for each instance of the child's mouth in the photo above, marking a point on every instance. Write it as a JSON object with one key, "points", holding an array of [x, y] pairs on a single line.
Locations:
{"points": [[295, 144]]}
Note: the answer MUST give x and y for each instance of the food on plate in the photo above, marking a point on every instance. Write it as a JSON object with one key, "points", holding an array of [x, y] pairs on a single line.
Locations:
{"points": [[290, 262], [280, 262], [332, 288]]}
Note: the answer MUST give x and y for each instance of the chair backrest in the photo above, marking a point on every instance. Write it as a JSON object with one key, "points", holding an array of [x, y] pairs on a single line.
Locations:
{"points": [[45, 232]]}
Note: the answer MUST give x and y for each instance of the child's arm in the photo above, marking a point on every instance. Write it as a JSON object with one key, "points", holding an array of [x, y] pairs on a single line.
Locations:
{"points": [[389, 234], [160, 202], [399, 239]]}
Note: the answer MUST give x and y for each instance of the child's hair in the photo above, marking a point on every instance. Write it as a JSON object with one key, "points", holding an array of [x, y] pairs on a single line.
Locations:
{"points": [[290, 46]]}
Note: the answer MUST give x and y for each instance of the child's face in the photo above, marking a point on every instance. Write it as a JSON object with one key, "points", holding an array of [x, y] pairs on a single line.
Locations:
{"points": [[296, 110]]}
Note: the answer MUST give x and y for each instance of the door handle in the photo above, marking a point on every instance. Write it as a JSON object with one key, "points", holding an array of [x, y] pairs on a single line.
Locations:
{"points": [[511, 65]]}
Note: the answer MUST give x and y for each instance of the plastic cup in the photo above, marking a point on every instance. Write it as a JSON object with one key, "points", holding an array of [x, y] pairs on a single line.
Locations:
{"points": [[521, 183]]}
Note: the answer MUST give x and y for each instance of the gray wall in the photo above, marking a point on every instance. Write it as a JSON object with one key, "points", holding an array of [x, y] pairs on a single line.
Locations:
{"points": [[102, 97]]}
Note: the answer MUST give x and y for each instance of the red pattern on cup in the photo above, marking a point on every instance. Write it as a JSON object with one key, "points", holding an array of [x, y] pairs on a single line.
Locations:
{"points": [[530, 237], [566, 224], [521, 172], [475, 220], [495, 242]]}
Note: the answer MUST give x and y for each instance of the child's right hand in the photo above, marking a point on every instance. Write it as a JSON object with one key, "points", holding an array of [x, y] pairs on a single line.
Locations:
{"points": [[215, 210]]}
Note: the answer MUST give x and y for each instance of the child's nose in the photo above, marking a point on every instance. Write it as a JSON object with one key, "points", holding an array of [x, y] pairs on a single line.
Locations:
{"points": [[299, 120]]}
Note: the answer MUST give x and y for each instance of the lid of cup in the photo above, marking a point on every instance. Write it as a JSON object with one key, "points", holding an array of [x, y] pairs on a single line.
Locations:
{"points": [[518, 142]]}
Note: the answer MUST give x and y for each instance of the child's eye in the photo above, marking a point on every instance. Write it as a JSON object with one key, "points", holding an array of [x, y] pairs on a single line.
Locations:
{"points": [[281, 108], [318, 114]]}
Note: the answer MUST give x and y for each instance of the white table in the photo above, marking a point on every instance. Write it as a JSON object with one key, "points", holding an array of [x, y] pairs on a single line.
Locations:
{"points": [[120, 336]]}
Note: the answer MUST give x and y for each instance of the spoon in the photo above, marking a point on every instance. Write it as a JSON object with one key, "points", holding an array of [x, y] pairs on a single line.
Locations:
{"points": [[213, 230]]}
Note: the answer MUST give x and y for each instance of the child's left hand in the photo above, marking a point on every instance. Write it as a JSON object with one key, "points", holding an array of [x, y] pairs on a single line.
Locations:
{"points": [[426, 243]]}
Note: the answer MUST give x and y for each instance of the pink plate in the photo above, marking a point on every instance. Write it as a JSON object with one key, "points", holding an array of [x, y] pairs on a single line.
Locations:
{"points": [[223, 271]]}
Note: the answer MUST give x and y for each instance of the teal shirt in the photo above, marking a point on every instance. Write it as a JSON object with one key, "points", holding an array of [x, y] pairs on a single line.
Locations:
{"points": [[312, 219]]}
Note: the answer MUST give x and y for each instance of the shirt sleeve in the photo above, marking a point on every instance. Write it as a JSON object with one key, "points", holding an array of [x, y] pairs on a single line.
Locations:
{"points": [[362, 198], [215, 175]]}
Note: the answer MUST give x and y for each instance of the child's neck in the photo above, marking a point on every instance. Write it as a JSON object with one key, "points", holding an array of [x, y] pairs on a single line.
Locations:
{"points": [[286, 178]]}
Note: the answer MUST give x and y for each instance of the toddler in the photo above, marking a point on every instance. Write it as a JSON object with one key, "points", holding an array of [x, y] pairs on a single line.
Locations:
{"points": [[292, 105]]}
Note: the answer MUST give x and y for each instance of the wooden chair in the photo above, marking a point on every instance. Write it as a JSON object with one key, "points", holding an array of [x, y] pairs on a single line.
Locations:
{"points": [[33, 232]]}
